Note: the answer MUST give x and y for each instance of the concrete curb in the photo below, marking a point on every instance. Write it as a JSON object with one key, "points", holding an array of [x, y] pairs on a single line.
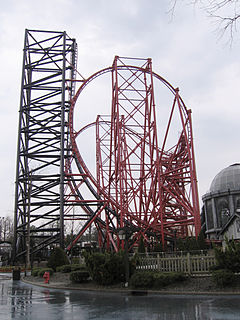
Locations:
{"points": [[132, 292]]}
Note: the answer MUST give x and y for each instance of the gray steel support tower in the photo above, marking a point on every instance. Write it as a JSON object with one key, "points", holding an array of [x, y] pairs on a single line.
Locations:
{"points": [[48, 74]]}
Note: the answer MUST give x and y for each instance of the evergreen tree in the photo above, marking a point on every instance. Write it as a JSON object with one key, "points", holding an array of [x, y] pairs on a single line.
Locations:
{"points": [[57, 258], [141, 246]]}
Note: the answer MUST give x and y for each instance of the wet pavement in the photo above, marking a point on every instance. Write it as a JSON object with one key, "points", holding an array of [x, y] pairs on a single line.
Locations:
{"points": [[19, 300]]}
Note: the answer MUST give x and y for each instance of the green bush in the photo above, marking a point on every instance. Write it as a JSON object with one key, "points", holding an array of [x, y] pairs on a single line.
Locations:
{"points": [[43, 270], [114, 268], [223, 277], [79, 276], [150, 279], [95, 263], [75, 260], [57, 258], [106, 268], [177, 276], [70, 267], [164, 279], [142, 279], [191, 243], [76, 267], [229, 258], [158, 247], [35, 271], [66, 268], [214, 268], [161, 280]]}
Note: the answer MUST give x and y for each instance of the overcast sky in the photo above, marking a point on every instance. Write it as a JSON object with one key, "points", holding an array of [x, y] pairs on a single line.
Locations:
{"points": [[185, 51]]}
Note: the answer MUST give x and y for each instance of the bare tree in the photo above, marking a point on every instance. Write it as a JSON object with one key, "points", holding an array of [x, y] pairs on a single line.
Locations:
{"points": [[6, 229], [225, 14]]}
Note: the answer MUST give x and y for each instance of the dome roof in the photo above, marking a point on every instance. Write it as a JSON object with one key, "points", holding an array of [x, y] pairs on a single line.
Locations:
{"points": [[228, 178]]}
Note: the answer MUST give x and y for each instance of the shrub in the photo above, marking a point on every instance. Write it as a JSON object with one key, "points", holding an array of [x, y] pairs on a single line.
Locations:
{"points": [[43, 270], [64, 269], [79, 276], [95, 263], [177, 276], [76, 267], [142, 279], [70, 267], [106, 269], [229, 258], [35, 271], [223, 277], [191, 243], [114, 269], [163, 279], [158, 247], [57, 258], [214, 268], [75, 260], [150, 279]]}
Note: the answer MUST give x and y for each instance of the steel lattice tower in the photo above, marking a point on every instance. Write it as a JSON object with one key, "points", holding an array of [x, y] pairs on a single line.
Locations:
{"points": [[49, 64]]}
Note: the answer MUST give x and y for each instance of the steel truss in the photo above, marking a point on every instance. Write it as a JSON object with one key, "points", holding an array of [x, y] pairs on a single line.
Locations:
{"points": [[145, 183], [142, 185], [49, 64]]}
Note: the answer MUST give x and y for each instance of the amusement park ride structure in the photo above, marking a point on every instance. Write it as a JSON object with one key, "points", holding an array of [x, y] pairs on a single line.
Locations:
{"points": [[144, 181]]}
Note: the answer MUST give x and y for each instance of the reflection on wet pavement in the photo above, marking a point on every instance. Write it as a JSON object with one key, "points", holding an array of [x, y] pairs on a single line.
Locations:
{"points": [[22, 301]]}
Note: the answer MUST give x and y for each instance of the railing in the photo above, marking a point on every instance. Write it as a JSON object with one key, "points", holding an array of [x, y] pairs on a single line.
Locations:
{"points": [[188, 264]]}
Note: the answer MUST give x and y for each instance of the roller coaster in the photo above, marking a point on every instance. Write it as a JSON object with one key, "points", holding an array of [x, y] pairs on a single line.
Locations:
{"points": [[113, 151]]}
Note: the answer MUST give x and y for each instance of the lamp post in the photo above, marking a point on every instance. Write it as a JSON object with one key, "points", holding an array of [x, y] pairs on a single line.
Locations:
{"points": [[124, 235]]}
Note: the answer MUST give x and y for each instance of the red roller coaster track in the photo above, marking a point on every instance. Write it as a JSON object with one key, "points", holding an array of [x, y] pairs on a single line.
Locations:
{"points": [[145, 180]]}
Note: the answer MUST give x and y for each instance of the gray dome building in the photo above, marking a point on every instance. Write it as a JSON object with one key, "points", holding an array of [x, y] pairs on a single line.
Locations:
{"points": [[221, 205]]}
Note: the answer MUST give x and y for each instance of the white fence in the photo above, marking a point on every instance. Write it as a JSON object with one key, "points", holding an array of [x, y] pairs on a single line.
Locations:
{"points": [[188, 264]]}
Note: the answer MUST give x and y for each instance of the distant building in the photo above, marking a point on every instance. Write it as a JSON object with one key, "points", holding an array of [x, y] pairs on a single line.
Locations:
{"points": [[221, 209]]}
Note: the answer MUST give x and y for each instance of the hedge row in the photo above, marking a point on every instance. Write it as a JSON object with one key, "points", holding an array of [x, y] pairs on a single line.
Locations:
{"points": [[157, 280], [79, 276], [70, 267], [223, 277]]}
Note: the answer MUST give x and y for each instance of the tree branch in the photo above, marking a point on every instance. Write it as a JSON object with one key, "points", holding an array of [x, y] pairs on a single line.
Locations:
{"points": [[225, 12]]}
